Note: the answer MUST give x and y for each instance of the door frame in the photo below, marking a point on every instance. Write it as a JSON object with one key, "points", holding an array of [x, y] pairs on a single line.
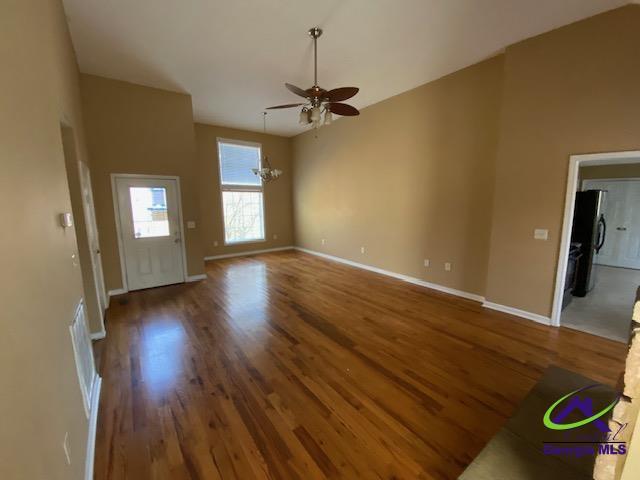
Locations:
{"points": [[116, 211], [575, 162], [84, 174]]}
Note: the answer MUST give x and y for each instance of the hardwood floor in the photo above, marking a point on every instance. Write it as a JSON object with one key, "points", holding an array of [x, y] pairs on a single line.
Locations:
{"points": [[287, 366]]}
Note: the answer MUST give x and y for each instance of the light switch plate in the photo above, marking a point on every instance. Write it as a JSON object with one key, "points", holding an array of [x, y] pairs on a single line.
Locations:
{"points": [[426, 262], [541, 234], [447, 266], [191, 224], [362, 249]]}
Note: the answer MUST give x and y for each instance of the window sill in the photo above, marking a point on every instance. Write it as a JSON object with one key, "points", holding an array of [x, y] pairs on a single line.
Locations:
{"points": [[244, 242]]}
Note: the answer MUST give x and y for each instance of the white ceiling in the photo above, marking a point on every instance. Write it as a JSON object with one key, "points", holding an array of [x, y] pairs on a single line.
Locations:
{"points": [[234, 56]]}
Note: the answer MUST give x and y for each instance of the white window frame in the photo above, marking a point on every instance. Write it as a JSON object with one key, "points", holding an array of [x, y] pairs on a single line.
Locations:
{"points": [[240, 188]]}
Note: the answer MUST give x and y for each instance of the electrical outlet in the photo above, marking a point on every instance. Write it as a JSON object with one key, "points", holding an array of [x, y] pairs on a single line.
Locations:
{"points": [[191, 224], [447, 266], [215, 244], [67, 448], [362, 250], [323, 241], [426, 262], [275, 236]]}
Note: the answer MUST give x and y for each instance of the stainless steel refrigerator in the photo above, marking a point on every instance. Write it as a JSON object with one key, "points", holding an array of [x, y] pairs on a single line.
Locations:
{"points": [[590, 231]]}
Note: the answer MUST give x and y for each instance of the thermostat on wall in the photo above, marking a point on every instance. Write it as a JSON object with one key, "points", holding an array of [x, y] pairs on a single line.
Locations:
{"points": [[66, 220]]}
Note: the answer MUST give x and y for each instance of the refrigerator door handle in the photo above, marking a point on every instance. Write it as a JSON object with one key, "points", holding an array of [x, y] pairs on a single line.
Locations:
{"points": [[604, 233]]}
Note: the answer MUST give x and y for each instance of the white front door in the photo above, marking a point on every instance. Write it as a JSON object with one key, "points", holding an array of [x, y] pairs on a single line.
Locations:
{"points": [[151, 232], [621, 211]]}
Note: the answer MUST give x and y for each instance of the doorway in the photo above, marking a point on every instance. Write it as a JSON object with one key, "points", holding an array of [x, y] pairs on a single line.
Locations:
{"points": [[80, 192], [149, 221], [599, 263]]}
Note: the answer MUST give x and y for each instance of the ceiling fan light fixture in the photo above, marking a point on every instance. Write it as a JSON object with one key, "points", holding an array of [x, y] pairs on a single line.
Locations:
{"points": [[328, 117], [304, 116], [317, 99], [315, 114]]}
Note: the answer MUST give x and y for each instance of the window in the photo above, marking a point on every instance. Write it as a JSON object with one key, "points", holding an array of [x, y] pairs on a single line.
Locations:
{"points": [[149, 211], [242, 200]]}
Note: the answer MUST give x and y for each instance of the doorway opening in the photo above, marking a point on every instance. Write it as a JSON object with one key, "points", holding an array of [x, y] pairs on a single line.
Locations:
{"points": [[81, 195], [599, 262], [150, 234]]}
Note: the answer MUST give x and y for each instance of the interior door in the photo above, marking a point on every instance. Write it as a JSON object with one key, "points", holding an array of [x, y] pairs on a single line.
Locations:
{"points": [[148, 212], [622, 214], [92, 234]]}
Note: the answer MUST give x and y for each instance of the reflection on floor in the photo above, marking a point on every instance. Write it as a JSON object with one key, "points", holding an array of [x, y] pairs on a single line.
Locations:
{"points": [[287, 366], [606, 310]]}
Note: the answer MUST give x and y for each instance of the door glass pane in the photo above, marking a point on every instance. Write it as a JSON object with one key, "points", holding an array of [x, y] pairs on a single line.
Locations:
{"points": [[243, 217], [149, 211]]}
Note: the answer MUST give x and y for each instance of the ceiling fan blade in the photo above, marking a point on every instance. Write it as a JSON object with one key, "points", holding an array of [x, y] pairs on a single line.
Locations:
{"points": [[343, 109], [288, 105], [297, 90], [339, 94]]}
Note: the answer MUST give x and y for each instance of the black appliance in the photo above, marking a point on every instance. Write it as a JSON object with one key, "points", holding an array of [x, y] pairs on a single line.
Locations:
{"points": [[570, 277], [590, 231]]}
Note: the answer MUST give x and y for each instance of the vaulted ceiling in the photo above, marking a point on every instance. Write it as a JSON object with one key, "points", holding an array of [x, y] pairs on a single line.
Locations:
{"points": [[234, 56]]}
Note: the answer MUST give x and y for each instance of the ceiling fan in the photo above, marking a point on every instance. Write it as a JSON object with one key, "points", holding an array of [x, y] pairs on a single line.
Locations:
{"points": [[319, 100]]}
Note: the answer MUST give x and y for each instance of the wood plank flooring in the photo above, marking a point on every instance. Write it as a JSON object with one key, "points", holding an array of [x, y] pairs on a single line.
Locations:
{"points": [[288, 366]]}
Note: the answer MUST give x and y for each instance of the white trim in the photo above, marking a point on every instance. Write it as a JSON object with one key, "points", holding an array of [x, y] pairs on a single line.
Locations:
{"points": [[114, 194], [117, 291], [244, 254], [196, 278], [93, 423], [399, 276], [116, 211], [518, 313], [98, 335], [575, 162]]}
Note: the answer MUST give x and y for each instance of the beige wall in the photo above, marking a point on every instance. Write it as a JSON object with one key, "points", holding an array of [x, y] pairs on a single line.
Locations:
{"points": [[629, 170], [277, 195], [414, 176], [410, 179], [136, 129], [40, 287], [573, 90]]}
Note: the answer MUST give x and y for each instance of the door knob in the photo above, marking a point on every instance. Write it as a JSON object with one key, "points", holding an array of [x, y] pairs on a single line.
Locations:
{"points": [[177, 240]]}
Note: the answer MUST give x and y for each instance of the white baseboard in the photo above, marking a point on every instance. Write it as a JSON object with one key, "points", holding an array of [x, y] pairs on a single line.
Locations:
{"points": [[196, 278], [93, 424], [518, 313], [117, 291], [98, 335], [251, 252], [399, 276]]}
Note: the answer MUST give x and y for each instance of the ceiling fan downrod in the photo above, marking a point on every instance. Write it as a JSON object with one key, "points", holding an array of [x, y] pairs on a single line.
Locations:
{"points": [[314, 33]]}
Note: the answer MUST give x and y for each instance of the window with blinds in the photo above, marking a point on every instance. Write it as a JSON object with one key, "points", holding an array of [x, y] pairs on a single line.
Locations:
{"points": [[242, 195]]}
